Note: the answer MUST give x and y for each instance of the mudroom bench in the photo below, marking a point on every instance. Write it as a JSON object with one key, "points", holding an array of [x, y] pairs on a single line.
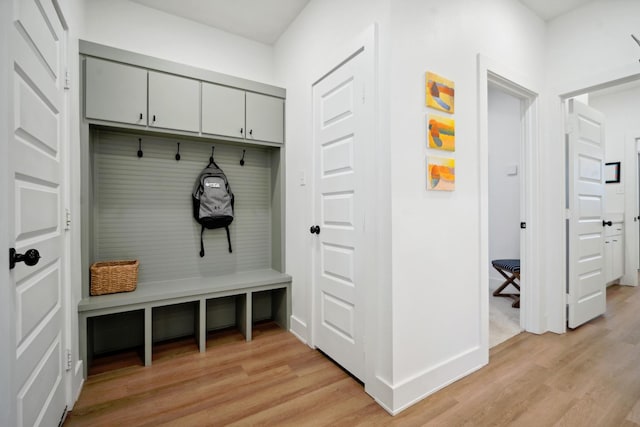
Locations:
{"points": [[199, 290]]}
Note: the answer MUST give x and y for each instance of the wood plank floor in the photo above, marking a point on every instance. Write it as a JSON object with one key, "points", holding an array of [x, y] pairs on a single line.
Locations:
{"points": [[587, 377]]}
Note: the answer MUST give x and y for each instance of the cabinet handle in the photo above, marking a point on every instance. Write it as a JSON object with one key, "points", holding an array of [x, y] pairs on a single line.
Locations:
{"points": [[241, 130], [140, 116], [251, 132], [154, 117]]}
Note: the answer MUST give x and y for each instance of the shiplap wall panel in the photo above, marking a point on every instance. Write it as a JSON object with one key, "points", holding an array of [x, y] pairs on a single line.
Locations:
{"points": [[142, 206]]}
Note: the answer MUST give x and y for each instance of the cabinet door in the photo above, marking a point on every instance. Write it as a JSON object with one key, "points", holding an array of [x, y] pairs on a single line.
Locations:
{"points": [[265, 118], [222, 110], [617, 267], [174, 102], [115, 92], [608, 260]]}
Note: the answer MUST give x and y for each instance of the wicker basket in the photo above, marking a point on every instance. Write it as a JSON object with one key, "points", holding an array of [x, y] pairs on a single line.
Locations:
{"points": [[114, 276]]}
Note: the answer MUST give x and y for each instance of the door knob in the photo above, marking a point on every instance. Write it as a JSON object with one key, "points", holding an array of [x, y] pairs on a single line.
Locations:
{"points": [[31, 257], [609, 223], [315, 229]]}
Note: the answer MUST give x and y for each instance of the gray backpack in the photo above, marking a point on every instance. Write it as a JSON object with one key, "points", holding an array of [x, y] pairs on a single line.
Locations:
{"points": [[213, 201]]}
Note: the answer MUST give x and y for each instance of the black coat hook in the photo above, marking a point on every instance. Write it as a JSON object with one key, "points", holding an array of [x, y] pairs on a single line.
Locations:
{"points": [[211, 158], [178, 153], [242, 159], [139, 147]]}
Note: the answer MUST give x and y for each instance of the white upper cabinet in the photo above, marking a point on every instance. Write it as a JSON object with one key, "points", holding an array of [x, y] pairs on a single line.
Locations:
{"points": [[222, 111], [174, 102], [139, 91], [264, 118], [115, 92]]}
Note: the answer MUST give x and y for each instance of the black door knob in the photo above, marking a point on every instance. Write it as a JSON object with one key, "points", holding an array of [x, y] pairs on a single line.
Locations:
{"points": [[609, 223], [315, 229], [31, 257]]}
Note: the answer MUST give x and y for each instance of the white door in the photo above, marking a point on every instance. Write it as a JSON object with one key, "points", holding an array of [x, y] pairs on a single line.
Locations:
{"points": [[585, 174], [35, 70], [340, 130]]}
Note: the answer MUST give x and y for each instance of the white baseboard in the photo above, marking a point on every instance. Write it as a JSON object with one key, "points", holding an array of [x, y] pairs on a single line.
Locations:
{"points": [[418, 387], [299, 329]]}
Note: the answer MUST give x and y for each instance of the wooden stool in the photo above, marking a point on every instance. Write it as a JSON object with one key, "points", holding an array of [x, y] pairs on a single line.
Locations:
{"points": [[512, 267]]}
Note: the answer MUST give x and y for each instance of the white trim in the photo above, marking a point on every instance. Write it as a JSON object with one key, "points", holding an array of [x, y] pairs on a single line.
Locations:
{"points": [[631, 209], [7, 310], [522, 87], [299, 329], [419, 386]]}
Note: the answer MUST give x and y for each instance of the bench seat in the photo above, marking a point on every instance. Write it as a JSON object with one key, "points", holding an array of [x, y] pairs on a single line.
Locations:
{"points": [[197, 289]]}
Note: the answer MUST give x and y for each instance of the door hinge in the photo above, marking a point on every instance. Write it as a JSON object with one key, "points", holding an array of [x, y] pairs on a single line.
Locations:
{"points": [[67, 219], [67, 80], [523, 225], [69, 360]]}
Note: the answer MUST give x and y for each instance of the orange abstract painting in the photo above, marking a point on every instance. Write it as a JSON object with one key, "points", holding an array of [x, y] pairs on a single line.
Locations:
{"points": [[442, 133], [441, 174], [440, 93]]}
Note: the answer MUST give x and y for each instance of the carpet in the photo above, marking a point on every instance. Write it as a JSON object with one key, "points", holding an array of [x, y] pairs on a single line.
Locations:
{"points": [[504, 320]]}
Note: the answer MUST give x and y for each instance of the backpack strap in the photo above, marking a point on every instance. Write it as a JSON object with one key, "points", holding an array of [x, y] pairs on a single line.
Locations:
{"points": [[201, 243], [228, 239]]}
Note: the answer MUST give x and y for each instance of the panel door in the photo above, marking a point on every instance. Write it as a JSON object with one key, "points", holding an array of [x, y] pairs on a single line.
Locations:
{"points": [[338, 130], [587, 273], [35, 149], [222, 110], [174, 102], [115, 92], [264, 118]]}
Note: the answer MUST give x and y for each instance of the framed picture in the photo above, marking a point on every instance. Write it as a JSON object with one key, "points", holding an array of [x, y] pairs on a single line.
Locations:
{"points": [[441, 174], [442, 133], [612, 172], [440, 93]]}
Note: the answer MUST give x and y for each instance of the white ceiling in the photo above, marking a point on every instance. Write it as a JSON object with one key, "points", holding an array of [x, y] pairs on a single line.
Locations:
{"points": [[265, 20], [549, 9], [260, 20]]}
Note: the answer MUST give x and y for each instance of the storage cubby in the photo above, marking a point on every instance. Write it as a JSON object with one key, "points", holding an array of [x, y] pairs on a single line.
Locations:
{"points": [[118, 332]]}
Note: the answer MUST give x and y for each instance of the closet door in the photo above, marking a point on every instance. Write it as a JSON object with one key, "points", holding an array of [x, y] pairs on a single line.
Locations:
{"points": [[265, 118], [222, 111], [115, 92], [174, 102]]}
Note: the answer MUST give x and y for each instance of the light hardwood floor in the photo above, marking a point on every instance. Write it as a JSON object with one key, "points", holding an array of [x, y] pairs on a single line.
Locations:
{"points": [[587, 377]]}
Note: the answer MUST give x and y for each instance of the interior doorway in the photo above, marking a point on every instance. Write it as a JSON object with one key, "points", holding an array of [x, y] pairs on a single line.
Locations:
{"points": [[523, 91], [505, 112]]}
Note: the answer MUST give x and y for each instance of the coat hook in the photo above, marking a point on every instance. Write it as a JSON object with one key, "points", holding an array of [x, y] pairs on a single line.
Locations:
{"points": [[242, 159], [178, 153], [139, 147], [211, 158]]}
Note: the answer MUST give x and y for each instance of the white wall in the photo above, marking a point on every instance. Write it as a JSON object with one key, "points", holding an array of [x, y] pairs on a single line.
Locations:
{"points": [[436, 237], [505, 138], [432, 291], [137, 28], [586, 47], [622, 113]]}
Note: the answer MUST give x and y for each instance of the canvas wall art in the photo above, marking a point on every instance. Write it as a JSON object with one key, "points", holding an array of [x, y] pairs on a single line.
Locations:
{"points": [[440, 93], [442, 133], [441, 174]]}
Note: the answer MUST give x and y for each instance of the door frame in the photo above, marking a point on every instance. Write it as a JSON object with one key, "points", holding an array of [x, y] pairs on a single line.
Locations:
{"points": [[7, 333], [363, 44], [523, 88], [631, 209], [557, 296]]}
